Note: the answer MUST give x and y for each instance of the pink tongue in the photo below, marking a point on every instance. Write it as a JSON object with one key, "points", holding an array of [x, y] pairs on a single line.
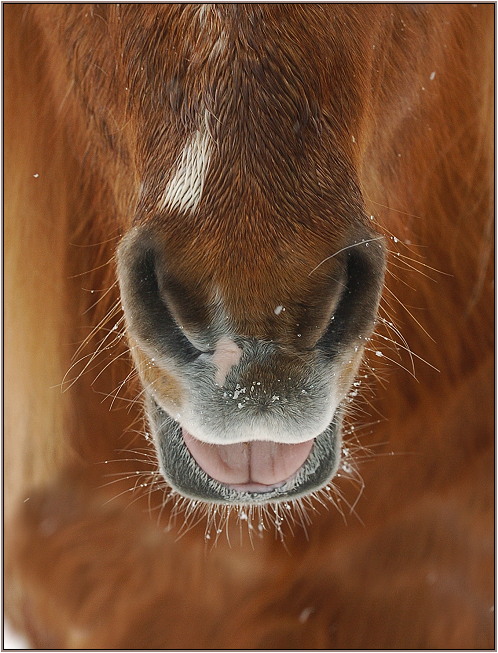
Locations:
{"points": [[252, 465]]}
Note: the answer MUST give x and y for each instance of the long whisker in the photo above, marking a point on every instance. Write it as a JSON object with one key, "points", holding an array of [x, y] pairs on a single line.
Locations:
{"points": [[361, 242], [409, 313]]}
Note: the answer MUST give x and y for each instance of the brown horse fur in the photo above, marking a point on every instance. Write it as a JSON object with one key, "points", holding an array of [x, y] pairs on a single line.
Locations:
{"points": [[390, 102]]}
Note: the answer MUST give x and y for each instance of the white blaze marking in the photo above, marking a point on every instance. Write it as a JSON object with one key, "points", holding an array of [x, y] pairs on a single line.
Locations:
{"points": [[184, 189], [226, 355]]}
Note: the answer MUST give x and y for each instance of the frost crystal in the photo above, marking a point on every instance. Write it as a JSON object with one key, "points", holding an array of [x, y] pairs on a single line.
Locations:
{"points": [[305, 614]]}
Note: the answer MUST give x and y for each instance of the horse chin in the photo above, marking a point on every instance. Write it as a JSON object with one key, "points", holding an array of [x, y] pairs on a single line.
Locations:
{"points": [[184, 474]]}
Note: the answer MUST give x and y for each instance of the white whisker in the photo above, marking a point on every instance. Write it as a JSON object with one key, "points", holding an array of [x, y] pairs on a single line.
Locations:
{"points": [[361, 242]]}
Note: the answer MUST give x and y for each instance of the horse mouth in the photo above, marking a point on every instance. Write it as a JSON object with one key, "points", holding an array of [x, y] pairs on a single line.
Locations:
{"points": [[242, 473]]}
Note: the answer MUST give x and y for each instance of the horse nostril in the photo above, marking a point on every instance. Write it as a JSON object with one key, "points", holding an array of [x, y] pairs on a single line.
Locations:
{"points": [[356, 311], [148, 311]]}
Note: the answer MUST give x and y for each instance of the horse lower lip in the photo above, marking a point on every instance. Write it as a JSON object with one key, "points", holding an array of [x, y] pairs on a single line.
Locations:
{"points": [[249, 466]]}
